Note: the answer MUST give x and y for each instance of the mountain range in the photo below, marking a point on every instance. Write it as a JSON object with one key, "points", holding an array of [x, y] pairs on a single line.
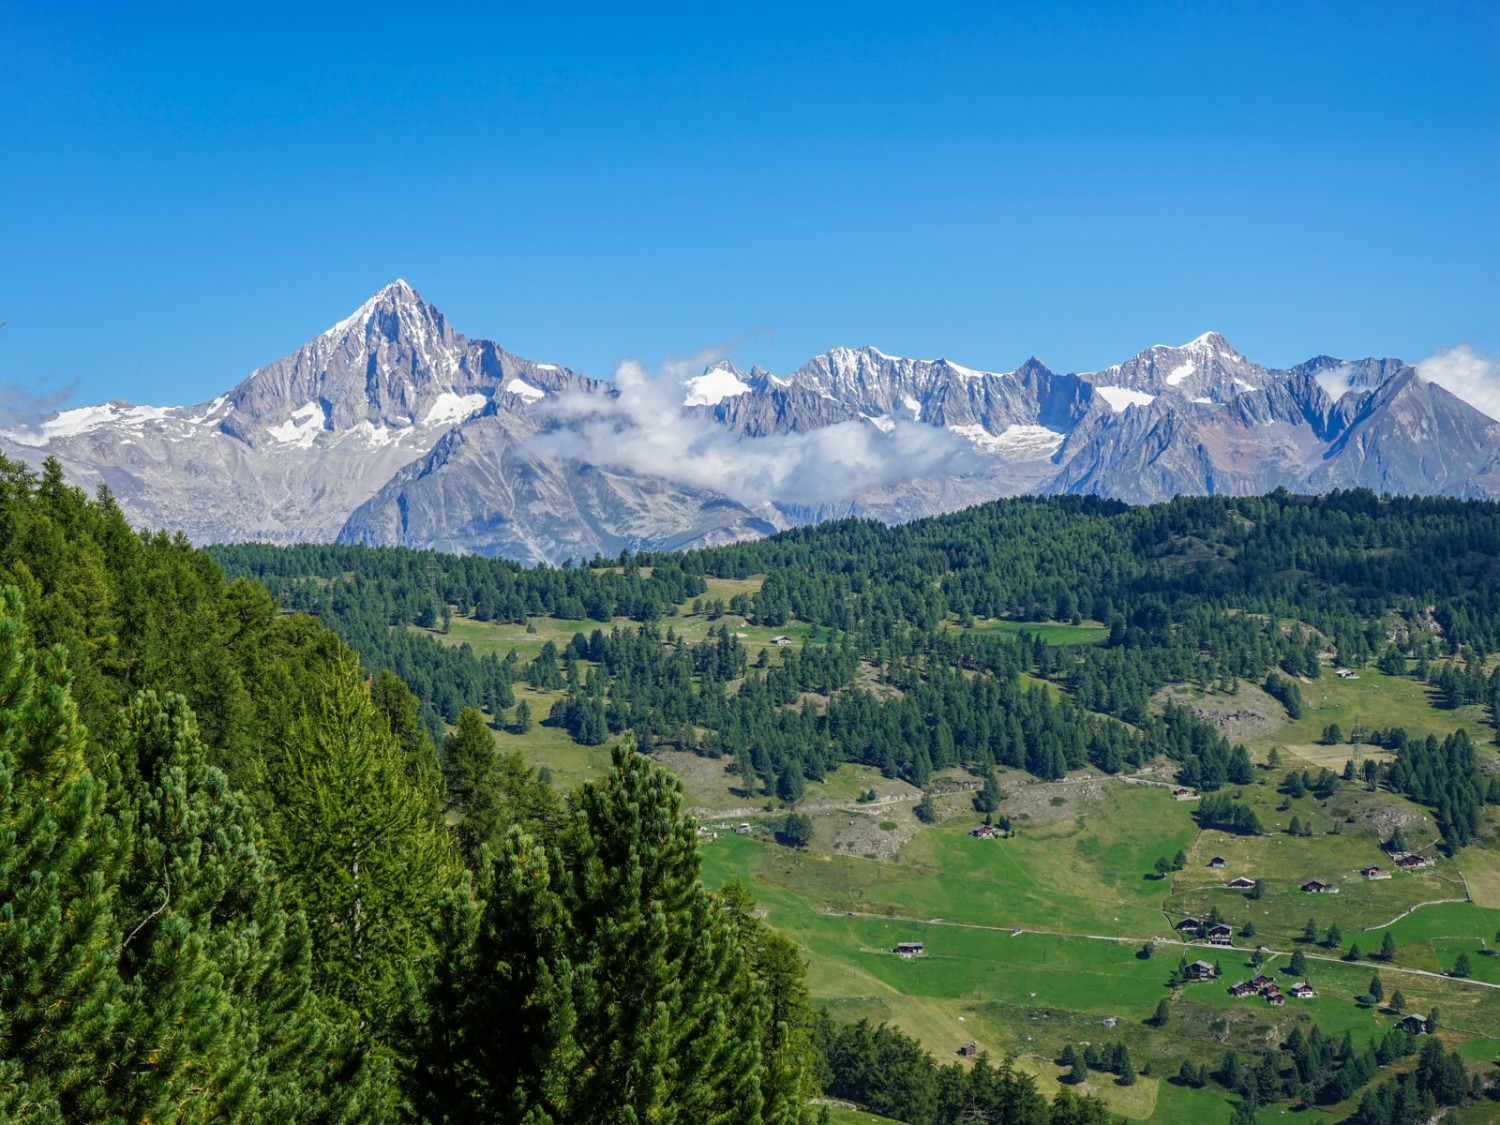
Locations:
{"points": [[392, 428]]}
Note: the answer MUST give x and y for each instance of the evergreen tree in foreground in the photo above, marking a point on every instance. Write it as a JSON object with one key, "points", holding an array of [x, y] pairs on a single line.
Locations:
{"points": [[217, 1018], [362, 850], [60, 856], [605, 984], [148, 968]]}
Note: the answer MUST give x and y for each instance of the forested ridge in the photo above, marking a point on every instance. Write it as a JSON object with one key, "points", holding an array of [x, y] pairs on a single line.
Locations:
{"points": [[236, 886], [1206, 591]]}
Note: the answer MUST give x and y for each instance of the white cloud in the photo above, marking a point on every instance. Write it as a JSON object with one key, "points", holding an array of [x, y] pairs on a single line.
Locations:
{"points": [[1467, 374], [644, 429], [22, 410]]}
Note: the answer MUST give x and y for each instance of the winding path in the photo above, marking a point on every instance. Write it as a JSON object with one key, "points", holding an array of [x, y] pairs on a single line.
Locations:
{"points": [[1409, 909], [1016, 931]]}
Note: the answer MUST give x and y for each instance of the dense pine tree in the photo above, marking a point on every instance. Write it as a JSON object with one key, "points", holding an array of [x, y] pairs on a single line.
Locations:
{"points": [[607, 985], [60, 858]]}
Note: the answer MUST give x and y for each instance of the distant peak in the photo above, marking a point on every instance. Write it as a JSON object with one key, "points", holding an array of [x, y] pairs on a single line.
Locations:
{"points": [[396, 293], [1212, 341]]}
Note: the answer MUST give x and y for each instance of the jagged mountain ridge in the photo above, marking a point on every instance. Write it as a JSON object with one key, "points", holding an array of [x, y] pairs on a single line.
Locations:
{"points": [[393, 428]]}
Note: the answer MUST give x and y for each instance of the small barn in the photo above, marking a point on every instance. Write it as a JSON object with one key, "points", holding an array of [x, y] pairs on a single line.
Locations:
{"points": [[909, 948], [1217, 861], [1313, 887], [1410, 862], [969, 1050], [1240, 884]]}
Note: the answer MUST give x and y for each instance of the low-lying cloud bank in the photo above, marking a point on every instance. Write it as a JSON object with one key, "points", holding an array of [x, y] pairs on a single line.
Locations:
{"points": [[644, 428]]}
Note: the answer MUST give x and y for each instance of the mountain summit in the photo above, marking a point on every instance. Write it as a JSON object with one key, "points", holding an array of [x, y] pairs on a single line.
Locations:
{"points": [[391, 427]]}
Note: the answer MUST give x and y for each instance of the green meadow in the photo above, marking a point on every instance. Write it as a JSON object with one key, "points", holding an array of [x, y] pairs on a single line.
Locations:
{"points": [[1036, 941]]}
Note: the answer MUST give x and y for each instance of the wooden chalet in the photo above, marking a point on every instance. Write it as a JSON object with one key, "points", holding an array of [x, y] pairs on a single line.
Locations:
{"points": [[1373, 872], [1275, 999], [1240, 883], [1217, 861], [1416, 1025], [1221, 932], [1188, 925], [1313, 887], [1200, 970], [1303, 991], [1409, 862], [1261, 981], [1241, 988]]}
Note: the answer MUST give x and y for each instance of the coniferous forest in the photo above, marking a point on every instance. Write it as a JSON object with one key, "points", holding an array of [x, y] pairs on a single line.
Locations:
{"points": [[229, 890], [260, 860]]}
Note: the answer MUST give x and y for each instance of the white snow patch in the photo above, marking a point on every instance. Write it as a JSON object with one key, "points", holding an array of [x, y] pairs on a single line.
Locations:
{"points": [[381, 435], [1207, 400], [548, 367], [714, 387], [449, 407], [526, 390], [301, 429], [1034, 441], [82, 419], [1121, 397], [884, 423], [1180, 373], [213, 408], [913, 405], [1238, 382], [968, 372]]}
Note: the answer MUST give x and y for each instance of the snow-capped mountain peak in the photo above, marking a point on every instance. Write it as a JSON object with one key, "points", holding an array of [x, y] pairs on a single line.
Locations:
{"points": [[390, 427], [1205, 369]]}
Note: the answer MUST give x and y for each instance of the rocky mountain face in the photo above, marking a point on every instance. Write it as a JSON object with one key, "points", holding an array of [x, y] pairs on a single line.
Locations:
{"points": [[393, 428]]}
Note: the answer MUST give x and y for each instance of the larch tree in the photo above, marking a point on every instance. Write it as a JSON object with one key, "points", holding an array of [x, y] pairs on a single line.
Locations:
{"points": [[361, 848]]}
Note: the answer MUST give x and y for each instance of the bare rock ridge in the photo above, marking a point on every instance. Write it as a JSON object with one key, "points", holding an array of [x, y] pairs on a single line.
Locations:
{"points": [[393, 428]]}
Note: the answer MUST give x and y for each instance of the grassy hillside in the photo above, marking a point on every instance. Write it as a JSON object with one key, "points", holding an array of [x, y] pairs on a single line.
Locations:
{"points": [[1077, 880]]}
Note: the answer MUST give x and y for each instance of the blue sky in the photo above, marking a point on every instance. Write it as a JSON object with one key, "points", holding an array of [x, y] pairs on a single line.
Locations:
{"points": [[193, 191]]}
